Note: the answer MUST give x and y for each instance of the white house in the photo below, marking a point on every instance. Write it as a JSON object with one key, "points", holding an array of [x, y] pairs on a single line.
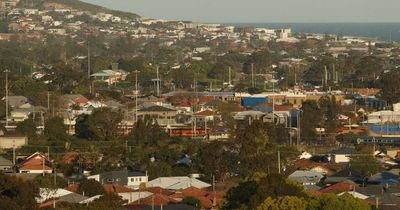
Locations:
{"points": [[132, 179], [341, 155]]}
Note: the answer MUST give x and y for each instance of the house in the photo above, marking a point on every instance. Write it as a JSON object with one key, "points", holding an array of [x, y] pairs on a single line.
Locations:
{"points": [[164, 115], [5, 165], [177, 183], [16, 101], [306, 177], [341, 155], [132, 179], [110, 76], [9, 142], [340, 187], [344, 175], [36, 163]]}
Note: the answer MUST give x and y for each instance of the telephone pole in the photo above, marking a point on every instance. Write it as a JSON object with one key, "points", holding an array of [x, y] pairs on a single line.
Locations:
{"points": [[6, 71], [252, 75], [136, 94]]}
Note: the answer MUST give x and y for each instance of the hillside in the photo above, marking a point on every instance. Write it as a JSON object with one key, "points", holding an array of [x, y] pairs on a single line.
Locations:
{"points": [[76, 4]]}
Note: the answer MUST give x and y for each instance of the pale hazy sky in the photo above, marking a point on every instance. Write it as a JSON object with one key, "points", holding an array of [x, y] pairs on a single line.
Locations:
{"points": [[262, 10]]}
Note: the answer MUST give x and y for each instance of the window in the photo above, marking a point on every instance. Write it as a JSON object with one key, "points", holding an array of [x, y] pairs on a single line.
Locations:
{"points": [[140, 179], [118, 179], [110, 180], [132, 179]]}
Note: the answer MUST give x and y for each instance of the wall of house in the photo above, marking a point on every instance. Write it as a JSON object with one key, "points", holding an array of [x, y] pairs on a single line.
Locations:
{"points": [[137, 180], [341, 159]]}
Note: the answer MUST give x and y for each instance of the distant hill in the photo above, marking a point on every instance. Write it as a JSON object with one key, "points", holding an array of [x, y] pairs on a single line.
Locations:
{"points": [[76, 4]]}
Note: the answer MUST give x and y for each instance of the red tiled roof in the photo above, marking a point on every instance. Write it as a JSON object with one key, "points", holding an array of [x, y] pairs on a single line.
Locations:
{"points": [[205, 113], [159, 190], [73, 187], [81, 100], [156, 199], [338, 188], [116, 188], [35, 162]]}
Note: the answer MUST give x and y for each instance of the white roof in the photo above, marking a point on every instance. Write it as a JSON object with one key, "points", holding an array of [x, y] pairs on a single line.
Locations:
{"points": [[177, 183], [47, 193], [355, 194], [91, 199]]}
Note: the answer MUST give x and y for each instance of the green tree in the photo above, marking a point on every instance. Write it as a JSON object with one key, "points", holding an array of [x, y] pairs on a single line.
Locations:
{"points": [[311, 118], [333, 202], [218, 159], [16, 193], [390, 87], [91, 187], [284, 203], [250, 193], [364, 161], [27, 127], [256, 146], [82, 129], [103, 122], [47, 181], [55, 129], [192, 201], [330, 109]]}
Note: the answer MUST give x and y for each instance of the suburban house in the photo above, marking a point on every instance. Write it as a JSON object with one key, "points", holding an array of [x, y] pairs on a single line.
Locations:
{"points": [[177, 183], [306, 177], [110, 76], [5, 165], [164, 115], [9, 142], [35, 164], [341, 155], [131, 179]]}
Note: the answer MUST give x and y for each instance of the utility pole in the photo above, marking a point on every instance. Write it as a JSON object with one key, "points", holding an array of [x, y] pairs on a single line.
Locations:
{"points": [[252, 75], [279, 162], [158, 83], [230, 80], [6, 71], [136, 94], [48, 100], [88, 52]]}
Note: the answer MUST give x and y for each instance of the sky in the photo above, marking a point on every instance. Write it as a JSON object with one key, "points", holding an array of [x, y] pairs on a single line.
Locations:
{"points": [[261, 11]]}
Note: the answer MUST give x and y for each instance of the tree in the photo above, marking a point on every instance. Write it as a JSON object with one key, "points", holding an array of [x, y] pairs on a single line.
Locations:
{"points": [[256, 146], [16, 193], [47, 181], [91, 187], [82, 129], [330, 109], [284, 203], [102, 124], [364, 161], [250, 193], [55, 129], [147, 132], [27, 127], [160, 169], [390, 87], [311, 118], [218, 159], [333, 202], [192, 201]]}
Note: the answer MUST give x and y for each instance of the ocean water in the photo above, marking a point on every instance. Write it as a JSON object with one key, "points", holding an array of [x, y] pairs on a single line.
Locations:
{"points": [[380, 31]]}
